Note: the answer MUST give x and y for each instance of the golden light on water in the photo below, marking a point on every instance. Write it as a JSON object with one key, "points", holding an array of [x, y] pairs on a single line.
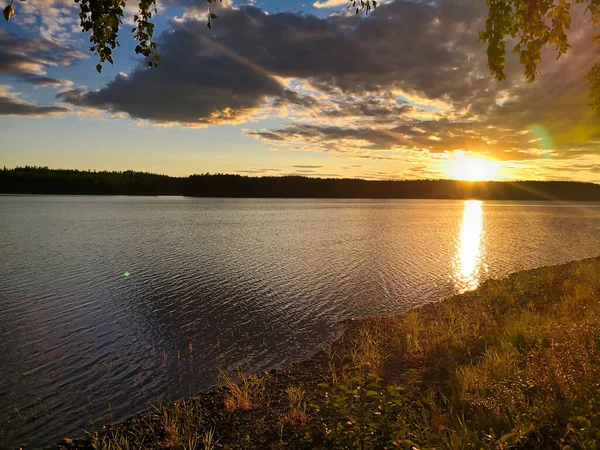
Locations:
{"points": [[473, 168], [468, 258]]}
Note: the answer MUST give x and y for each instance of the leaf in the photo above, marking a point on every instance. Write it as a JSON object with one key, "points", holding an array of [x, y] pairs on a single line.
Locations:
{"points": [[157, 57], [98, 68], [372, 393], [8, 12], [113, 21], [323, 385], [213, 16]]}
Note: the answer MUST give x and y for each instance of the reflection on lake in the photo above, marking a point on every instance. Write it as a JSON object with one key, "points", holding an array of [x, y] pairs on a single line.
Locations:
{"points": [[468, 262], [260, 281]]}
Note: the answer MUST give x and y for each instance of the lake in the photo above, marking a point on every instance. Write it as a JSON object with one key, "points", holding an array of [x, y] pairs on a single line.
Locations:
{"points": [[108, 304]]}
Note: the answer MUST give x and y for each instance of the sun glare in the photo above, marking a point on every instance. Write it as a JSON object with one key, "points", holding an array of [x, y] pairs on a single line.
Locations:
{"points": [[473, 168]]}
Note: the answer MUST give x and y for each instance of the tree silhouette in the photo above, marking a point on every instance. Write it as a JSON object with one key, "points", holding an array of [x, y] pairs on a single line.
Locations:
{"points": [[42, 180]]}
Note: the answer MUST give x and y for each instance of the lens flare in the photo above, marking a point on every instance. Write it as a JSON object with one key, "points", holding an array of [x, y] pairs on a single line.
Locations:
{"points": [[542, 136]]}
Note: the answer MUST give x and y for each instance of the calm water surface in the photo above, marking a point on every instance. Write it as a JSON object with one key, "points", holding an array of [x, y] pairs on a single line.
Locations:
{"points": [[110, 303]]}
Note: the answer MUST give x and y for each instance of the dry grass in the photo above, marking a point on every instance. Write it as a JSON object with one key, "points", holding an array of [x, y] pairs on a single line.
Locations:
{"points": [[297, 405], [514, 364], [244, 393]]}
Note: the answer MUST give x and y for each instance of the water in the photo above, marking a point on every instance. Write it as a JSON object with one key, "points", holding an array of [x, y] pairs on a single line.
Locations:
{"points": [[215, 282]]}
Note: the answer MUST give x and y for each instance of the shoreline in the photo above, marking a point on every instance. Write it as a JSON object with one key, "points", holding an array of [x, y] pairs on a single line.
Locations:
{"points": [[407, 379], [542, 200]]}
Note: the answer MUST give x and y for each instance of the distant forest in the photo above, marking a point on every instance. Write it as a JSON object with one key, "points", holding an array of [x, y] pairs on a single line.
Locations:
{"points": [[42, 180]]}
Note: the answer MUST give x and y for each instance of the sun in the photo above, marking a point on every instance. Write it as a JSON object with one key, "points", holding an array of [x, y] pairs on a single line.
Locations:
{"points": [[473, 168]]}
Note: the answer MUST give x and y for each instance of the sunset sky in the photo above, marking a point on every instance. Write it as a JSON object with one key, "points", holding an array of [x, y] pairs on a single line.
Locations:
{"points": [[283, 87]]}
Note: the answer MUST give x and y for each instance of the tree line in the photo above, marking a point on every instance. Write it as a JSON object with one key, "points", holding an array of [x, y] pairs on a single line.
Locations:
{"points": [[42, 180]]}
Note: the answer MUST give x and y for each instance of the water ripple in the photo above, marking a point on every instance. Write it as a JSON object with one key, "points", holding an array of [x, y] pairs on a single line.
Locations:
{"points": [[216, 282]]}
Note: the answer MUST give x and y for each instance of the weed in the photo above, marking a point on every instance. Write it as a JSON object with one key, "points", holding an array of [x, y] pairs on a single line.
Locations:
{"points": [[297, 405], [367, 353], [208, 440], [245, 393]]}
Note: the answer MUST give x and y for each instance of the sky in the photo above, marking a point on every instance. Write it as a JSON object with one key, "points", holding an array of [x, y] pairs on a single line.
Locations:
{"points": [[281, 87]]}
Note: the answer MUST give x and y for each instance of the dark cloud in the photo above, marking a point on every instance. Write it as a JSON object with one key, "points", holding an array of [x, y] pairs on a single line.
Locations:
{"points": [[411, 76], [28, 58], [13, 107], [434, 135], [206, 78], [42, 81], [307, 167]]}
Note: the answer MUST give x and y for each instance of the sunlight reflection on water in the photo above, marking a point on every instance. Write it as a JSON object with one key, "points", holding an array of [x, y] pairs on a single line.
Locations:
{"points": [[469, 258]]}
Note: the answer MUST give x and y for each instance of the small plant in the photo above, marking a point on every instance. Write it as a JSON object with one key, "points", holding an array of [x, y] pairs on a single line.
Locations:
{"points": [[297, 405], [191, 443], [208, 440], [407, 336], [171, 421], [366, 352], [246, 393], [111, 441], [360, 413], [180, 421], [333, 371]]}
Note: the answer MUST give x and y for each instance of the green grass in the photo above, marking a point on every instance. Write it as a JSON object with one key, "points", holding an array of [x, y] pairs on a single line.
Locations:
{"points": [[514, 364]]}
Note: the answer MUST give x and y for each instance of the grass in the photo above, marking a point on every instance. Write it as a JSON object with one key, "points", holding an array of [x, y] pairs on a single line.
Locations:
{"points": [[297, 405], [514, 364], [244, 393]]}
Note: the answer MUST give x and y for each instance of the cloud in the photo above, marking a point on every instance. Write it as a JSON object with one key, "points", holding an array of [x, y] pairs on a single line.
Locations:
{"points": [[307, 167], [330, 3], [28, 58], [201, 80], [206, 78], [54, 20], [410, 78], [11, 105], [259, 171]]}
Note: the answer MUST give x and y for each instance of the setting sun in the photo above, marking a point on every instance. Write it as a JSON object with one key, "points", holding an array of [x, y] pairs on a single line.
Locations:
{"points": [[473, 168]]}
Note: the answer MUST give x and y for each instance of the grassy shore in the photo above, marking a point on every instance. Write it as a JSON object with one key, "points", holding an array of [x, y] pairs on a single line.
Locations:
{"points": [[513, 364]]}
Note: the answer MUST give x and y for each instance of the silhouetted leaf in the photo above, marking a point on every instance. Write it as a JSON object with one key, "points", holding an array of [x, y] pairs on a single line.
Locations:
{"points": [[8, 12]]}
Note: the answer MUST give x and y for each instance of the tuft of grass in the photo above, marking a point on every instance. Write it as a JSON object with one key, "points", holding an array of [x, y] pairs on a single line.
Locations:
{"points": [[208, 440], [113, 441], [171, 421], [407, 336], [367, 352], [333, 370], [297, 405], [245, 393]]}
